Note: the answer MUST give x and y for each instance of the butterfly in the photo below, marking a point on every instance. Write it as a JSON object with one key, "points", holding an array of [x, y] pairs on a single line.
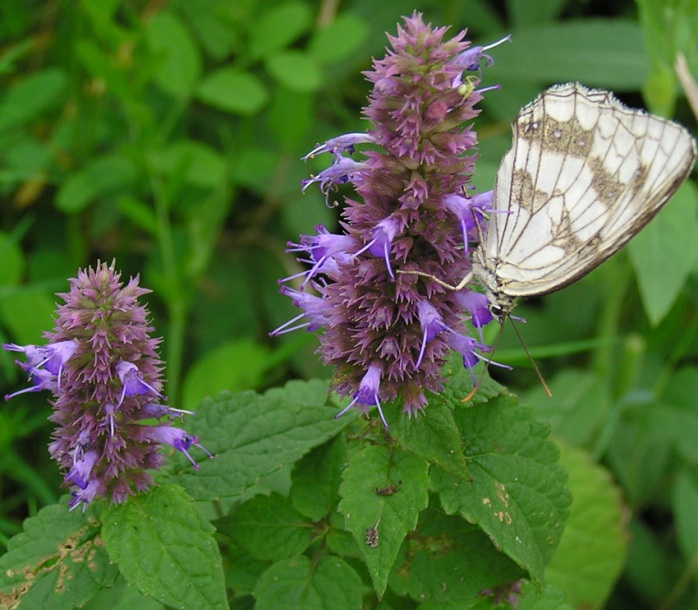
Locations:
{"points": [[584, 175]]}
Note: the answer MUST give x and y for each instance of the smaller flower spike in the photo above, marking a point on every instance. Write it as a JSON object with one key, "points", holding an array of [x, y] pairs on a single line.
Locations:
{"points": [[103, 371]]}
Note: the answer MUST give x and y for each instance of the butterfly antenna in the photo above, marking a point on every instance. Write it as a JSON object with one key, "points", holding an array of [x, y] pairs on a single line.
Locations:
{"points": [[530, 359]]}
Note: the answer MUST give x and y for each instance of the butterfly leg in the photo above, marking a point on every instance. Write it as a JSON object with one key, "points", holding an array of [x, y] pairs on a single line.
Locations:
{"points": [[460, 285]]}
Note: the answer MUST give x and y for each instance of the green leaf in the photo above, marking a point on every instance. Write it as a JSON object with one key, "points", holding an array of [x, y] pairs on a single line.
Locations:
{"points": [[139, 213], [58, 562], [316, 479], [100, 65], [269, 528], [518, 494], [329, 584], [434, 437], [31, 96], [101, 176], [27, 311], [233, 90], [383, 491], [578, 408], [165, 548], [278, 27], [253, 436], [547, 598], [234, 366], [296, 70], [591, 554], [197, 163], [605, 53], [12, 261], [122, 596], [178, 57], [684, 501], [290, 117], [526, 13], [340, 39], [659, 254], [450, 562]]}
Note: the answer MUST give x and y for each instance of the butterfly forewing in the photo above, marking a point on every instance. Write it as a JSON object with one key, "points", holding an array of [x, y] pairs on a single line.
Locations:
{"points": [[583, 176]]}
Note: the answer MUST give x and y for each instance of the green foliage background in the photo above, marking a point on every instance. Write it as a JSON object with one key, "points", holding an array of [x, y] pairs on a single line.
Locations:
{"points": [[168, 135]]}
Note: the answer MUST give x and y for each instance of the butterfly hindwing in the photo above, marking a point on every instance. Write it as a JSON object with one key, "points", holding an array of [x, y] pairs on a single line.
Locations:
{"points": [[583, 176]]}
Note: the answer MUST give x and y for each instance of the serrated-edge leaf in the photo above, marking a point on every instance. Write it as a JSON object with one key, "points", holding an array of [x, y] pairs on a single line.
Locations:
{"points": [[58, 562], [331, 584], [434, 436], [165, 548], [269, 528], [518, 494], [254, 435], [383, 492]]}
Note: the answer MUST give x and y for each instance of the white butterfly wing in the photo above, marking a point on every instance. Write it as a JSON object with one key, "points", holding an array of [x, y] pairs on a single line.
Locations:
{"points": [[583, 176]]}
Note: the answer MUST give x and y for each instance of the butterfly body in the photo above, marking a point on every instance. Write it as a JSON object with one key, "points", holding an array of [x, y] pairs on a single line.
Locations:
{"points": [[583, 176]]}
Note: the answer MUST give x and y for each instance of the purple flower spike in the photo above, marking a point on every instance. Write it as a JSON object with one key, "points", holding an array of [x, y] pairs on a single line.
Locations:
{"points": [[387, 316], [100, 396]]}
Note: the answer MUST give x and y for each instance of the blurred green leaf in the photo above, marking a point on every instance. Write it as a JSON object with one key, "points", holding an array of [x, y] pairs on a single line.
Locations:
{"points": [[603, 53], [14, 53], [327, 584], [234, 366], [578, 408], [592, 550], [139, 213], [193, 162], [290, 116], [103, 175], [12, 261], [233, 90], [99, 65], [684, 501], [27, 312], [340, 39], [526, 13], [161, 545], [178, 57], [296, 70], [384, 517], [31, 96], [277, 27], [659, 254]]}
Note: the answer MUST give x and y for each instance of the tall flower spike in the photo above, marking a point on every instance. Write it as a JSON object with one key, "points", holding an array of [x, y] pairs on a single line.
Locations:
{"points": [[387, 325], [104, 373]]}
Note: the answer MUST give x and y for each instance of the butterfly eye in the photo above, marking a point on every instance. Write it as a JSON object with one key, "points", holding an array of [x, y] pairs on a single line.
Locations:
{"points": [[497, 311]]}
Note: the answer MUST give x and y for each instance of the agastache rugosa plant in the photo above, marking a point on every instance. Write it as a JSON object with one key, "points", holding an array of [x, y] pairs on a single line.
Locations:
{"points": [[387, 325], [103, 370]]}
